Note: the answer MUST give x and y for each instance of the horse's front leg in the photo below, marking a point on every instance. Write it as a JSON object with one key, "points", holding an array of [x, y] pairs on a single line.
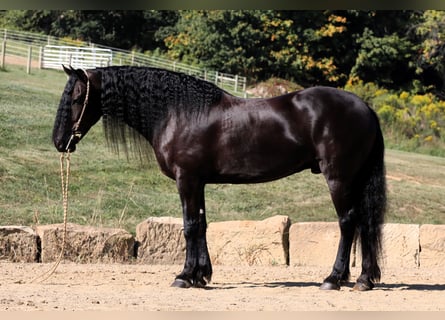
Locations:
{"points": [[197, 270]]}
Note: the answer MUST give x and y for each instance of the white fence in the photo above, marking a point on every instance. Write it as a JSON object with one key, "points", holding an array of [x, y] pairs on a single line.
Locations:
{"points": [[79, 57], [51, 52]]}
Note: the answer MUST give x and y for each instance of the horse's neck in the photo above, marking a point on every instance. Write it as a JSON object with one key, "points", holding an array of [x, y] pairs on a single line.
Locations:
{"points": [[145, 105], [140, 111]]}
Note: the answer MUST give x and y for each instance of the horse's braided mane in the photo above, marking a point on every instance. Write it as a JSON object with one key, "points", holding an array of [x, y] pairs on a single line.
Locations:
{"points": [[136, 100]]}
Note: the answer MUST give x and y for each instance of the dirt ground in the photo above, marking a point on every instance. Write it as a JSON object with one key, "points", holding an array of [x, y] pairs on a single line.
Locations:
{"points": [[137, 287], [20, 61]]}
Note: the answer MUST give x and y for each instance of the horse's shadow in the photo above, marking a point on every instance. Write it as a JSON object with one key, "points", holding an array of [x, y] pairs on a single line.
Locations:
{"points": [[411, 287], [292, 284], [248, 284]]}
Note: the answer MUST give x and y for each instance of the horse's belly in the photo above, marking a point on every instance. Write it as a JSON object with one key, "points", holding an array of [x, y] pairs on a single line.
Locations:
{"points": [[260, 165]]}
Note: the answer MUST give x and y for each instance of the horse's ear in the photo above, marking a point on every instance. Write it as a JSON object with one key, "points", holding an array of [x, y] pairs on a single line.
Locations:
{"points": [[81, 74], [67, 71], [78, 72]]}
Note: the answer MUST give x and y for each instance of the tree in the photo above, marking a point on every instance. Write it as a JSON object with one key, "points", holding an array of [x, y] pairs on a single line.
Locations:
{"points": [[29, 20], [258, 44], [116, 28], [384, 60], [113, 28], [309, 50], [431, 53], [308, 47], [230, 41]]}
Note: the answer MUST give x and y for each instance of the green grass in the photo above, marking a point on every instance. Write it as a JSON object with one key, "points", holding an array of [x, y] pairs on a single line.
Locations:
{"points": [[108, 190]]}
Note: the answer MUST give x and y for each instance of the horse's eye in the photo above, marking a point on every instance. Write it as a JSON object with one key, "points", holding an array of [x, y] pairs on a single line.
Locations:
{"points": [[76, 101]]}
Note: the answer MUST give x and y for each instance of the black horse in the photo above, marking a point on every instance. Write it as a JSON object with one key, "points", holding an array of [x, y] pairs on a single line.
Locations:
{"points": [[201, 134]]}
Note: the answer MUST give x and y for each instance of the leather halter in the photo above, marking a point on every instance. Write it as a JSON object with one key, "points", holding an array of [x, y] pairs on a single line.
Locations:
{"points": [[75, 131]]}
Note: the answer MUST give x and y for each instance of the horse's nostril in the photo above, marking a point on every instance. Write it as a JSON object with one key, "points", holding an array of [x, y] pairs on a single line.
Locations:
{"points": [[58, 145]]}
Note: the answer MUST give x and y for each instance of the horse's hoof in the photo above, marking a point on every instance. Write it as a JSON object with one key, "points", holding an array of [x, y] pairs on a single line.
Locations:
{"points": [[200, 284], [180, 283], [360, 286], [329, 286]]}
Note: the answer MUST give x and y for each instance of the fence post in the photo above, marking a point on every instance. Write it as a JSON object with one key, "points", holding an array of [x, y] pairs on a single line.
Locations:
{"points": [[40, 57], [2, 60], [216, 77], [28, 65], [236, 83]]}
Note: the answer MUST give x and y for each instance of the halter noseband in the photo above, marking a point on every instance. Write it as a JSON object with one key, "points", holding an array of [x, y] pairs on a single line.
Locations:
{"points": [[75, 130]]}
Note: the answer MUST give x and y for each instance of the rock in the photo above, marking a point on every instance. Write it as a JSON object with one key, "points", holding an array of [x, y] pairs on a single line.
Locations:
{"points": [[400, 246], [161, 241], [249, 242], [18, 244], [86, 244], [432, 244], [313, 243], [316, 244]]}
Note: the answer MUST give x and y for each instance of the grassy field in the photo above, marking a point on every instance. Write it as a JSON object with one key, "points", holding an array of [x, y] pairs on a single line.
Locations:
{"points": [[108, 190]]}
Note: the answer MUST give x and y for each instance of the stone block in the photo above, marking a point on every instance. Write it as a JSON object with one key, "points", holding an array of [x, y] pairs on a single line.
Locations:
{"points": [[18, 244], [316, 244], [85, 244], [249, 242], [161, 240], [432, 244], [313, 243], [400, 246]]}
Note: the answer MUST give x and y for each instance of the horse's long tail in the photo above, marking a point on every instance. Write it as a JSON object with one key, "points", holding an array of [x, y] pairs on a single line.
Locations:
{"points": [[372, 205]]}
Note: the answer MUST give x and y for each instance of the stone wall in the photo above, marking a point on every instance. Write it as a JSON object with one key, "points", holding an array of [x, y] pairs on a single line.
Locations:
{"points": [[273, 241]]}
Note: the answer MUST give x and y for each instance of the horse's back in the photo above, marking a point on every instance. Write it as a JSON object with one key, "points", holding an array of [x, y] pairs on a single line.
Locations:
{"points": [[257, 140], [331, 103]]}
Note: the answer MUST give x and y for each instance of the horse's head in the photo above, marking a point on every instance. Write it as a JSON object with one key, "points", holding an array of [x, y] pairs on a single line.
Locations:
{"points": [[79, 108]]}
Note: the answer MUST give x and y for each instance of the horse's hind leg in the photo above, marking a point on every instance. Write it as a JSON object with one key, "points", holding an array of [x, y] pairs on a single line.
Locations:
{"points": [[341, 194], [197, 267]]}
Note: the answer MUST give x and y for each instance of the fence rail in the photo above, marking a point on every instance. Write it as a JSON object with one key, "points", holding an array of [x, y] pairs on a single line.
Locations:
{"points": [[79, 57], [18, 49], [51, 52], [41, 40]]}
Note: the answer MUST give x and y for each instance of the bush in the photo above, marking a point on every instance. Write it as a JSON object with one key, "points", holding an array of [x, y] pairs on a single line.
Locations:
{"points": [[413, 122]]}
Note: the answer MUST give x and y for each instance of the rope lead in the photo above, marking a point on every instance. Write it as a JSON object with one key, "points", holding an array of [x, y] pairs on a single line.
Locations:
{"points": [[64, 177]]}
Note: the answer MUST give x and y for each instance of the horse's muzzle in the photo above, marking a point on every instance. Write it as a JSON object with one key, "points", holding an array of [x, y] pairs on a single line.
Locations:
{"points": [[68, 144], [73, 140]]}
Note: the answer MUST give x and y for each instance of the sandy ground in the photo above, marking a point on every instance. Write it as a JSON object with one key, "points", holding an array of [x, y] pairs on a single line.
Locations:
{"points": [[137, 287]]}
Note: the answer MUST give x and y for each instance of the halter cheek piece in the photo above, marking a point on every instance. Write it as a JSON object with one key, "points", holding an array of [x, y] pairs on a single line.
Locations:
{"points": [[76, 134]]}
